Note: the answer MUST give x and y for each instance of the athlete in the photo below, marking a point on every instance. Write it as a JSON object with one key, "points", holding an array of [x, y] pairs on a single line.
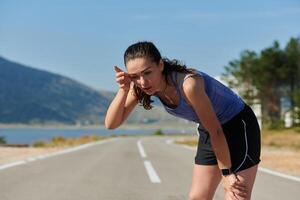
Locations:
{"points": [[229, 135]]}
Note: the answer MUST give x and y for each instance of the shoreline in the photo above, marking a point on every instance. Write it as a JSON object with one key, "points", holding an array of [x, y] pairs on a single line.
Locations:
{"points": [[102, 126]]}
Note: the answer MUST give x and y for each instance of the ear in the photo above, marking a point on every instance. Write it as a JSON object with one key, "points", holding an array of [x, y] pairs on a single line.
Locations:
{"points": [[161, 65]]}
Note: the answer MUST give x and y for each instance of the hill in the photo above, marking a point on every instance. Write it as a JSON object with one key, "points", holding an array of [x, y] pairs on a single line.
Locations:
{"points": [[33, 96]]}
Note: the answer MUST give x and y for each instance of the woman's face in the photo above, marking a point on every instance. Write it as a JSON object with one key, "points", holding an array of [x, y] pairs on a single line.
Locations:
{"points": [[145, 74]]}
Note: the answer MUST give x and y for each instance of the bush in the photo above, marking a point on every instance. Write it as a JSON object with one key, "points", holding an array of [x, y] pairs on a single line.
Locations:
{"points": [[40, 144], [158, 132], [58, 141], [277, 125], [2, 140]]}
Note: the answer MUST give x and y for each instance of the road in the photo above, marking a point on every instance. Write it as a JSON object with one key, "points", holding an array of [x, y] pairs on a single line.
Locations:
{"points": [[128, 168]]}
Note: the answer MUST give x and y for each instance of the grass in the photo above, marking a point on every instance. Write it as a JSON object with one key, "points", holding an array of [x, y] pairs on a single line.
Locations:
{"points": [[190, 142], [60, 141], [287, 138]]}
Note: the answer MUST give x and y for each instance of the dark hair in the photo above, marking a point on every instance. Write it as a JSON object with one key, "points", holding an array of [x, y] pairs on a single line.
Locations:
{"points": [[148, 50]]}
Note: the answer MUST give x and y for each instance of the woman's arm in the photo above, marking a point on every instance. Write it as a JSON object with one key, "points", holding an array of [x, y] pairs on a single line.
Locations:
{"points": [[123, 103], [195, 93], [120, 108], [196, 96]]}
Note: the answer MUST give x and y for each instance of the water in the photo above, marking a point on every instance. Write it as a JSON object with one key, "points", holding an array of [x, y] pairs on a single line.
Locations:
{"points": [[31, 135]]}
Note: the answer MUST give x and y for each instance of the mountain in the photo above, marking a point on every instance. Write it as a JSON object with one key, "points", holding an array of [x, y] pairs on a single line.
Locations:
{"points": [[33, 96]]}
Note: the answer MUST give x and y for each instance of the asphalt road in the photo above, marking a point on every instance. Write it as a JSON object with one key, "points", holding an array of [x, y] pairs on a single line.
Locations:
{"points": [[132, 168]]}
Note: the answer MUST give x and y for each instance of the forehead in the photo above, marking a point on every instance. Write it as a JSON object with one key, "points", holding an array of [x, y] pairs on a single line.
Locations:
{"points": [[138, 65]]}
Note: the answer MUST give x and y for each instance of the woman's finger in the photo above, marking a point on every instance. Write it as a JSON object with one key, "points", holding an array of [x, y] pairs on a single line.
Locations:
{"points": [[239, 187], [118, 74], [232, 196], [123, 81], [120, 77], [239, 193], [117, 69], [123, 74], [123, 78], [239, 184]]}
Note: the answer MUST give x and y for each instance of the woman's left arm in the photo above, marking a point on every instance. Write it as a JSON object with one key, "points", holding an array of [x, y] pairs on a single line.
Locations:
{"points": [[195, 93]]}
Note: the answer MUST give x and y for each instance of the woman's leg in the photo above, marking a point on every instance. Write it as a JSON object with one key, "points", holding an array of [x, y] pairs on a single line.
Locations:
{"points": [[246, 176], [205, 181]]}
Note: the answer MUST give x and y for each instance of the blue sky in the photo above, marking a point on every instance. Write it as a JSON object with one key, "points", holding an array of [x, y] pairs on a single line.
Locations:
{"points": [[85, 39]]}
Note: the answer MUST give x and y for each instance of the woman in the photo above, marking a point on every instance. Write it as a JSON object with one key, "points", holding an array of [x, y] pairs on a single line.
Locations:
{"points": [[229, 135]]}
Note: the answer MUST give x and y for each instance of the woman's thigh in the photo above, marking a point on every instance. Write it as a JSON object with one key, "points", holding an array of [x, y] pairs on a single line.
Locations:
{"points": [[205, 181]]}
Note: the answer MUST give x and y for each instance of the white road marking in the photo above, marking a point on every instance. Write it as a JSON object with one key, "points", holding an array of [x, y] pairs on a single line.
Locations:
{"points": [[262, 169], [12, 164], [40, 157], [294, 178], [141, 149], [154, 178], [171, 142]]}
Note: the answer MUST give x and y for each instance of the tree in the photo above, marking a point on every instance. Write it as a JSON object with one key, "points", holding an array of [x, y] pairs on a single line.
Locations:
{"points": [[2, 140], [242, 70], [292, 51], [262, 77], [269, 81]]}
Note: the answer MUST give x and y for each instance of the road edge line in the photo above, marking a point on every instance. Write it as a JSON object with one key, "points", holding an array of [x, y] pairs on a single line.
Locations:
{"points": [[65, 151], [262, 169]]}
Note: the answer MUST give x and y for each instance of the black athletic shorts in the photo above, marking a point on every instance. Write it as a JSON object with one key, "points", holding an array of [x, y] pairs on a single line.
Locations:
{"points": [[243, 138]]}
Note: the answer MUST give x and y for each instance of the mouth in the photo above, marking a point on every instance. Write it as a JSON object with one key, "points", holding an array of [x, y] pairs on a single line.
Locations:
{"points": [[146, 88]]}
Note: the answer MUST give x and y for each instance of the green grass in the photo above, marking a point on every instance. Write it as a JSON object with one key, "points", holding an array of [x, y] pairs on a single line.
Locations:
{"points": [[158, 132]]}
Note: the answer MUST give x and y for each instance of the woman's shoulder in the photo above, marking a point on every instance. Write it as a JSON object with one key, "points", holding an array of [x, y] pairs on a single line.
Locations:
{"points": [[188, 82], [181, 77]]}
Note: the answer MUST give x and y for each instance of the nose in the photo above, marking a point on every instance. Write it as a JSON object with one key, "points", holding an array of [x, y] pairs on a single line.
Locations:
{"points": [[143, 81]]}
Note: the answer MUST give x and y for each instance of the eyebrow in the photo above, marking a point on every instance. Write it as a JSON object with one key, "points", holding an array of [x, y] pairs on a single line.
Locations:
{"points": [[140, 72]]}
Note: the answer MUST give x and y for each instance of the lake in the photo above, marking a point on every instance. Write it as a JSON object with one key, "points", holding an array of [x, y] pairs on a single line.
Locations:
{"points": [[31, 135]]}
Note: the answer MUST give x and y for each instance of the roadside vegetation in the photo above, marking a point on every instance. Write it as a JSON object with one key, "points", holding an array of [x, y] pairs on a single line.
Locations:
{"points": [[2, 140], [158, 132], [287, 138], [60, 141], [189, 142], [281, 139], [271, 79]]}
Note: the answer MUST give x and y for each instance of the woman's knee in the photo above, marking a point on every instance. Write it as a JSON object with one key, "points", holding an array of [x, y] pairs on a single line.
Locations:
{"points": [[200, 195]]}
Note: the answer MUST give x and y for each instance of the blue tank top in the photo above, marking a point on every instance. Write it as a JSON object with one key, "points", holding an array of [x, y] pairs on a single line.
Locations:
{"points": [[225, 102]]}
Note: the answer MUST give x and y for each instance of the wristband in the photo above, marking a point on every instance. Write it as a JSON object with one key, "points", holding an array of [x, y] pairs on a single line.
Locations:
{"points": [[226, 172]]}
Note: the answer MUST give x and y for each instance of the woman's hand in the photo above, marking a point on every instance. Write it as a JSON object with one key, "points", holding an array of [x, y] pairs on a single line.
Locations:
{"points": [[234, 187], [123, 79]]}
